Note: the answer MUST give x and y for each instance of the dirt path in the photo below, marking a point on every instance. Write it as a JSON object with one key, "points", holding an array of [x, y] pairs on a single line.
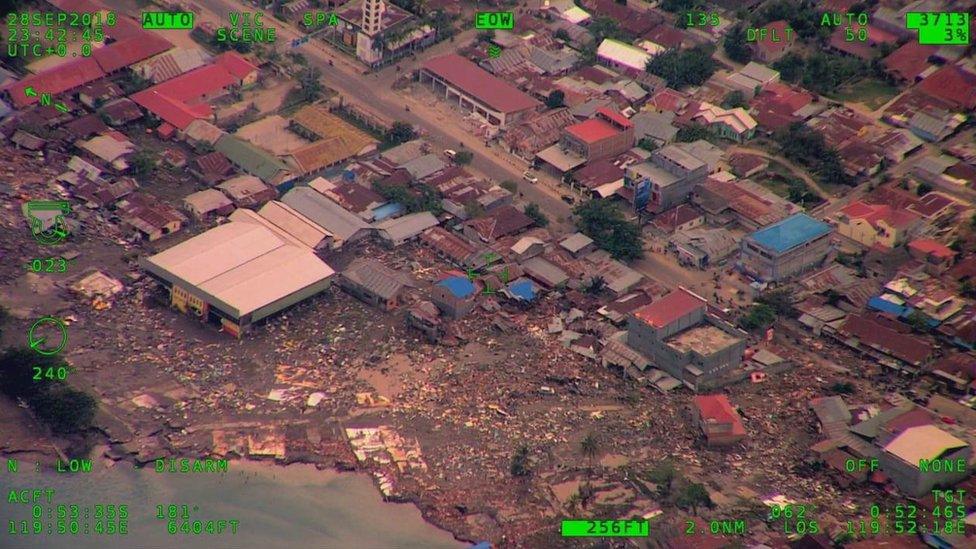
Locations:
{"points": [[797, 171]]}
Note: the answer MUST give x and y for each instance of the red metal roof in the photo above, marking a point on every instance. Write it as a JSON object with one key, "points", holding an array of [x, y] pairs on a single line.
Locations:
{"points": [[908, 61], [718, 408], [479, 84], [173, 111], [177, 101], [235, 64], [615, 117], [55, 80], [670, 308], [592, 130], [928, 246], [952, 84], [127, 51], [931, 204], [873, 332], [873, 213]]}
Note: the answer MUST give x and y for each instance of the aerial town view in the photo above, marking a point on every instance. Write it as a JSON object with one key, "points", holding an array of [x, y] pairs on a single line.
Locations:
{"points": [[379, 274]]}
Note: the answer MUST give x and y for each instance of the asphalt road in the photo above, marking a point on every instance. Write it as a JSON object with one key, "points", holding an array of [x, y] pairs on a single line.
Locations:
{"points": [[374, 92]]}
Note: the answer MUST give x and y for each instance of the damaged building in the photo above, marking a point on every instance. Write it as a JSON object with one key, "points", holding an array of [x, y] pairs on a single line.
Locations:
{"points": [[680, 337]]}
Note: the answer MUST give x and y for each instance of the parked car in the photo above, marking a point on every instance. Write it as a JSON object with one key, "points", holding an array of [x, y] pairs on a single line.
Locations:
{"points": [[450, 153], [568, 199], [530, 177]]}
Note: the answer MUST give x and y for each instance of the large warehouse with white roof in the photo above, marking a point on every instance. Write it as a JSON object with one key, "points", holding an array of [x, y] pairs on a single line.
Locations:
{"points": [[239, 273]]}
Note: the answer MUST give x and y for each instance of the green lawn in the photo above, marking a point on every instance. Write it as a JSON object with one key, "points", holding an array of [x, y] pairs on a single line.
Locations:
{"points": [[870, 92]]}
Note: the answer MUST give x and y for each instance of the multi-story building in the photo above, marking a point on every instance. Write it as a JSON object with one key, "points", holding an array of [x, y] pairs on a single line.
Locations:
{"points": [[679, 336], [605, 135], [380, 31], [717, 420], [786, 248], [925, 457], [672, 174], [871, 224]]}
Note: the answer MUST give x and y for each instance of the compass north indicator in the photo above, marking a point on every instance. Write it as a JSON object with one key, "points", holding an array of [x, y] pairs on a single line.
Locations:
{"points": [[47, 336]]}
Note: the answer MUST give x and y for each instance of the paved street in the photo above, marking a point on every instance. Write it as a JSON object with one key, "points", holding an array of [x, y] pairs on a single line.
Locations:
{"points": [[374, 91]]}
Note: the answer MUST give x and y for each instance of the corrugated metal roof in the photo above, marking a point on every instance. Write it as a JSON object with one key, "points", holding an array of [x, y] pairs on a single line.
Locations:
{"points": [[245, 266], [790, 233], [670, 308], [479, 84], [249, 158], [407, 226], [922, 442], [374, 277], [325, 213]]}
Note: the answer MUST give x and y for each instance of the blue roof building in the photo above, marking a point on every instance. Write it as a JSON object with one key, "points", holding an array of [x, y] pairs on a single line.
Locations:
{"points": [[454, 296], [523, 289], [786, 248], [879, 303], [459, 286], [789, 233]]}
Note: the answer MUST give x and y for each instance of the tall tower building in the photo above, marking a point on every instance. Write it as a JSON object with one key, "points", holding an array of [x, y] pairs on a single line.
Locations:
{"points": [[373, 16]]}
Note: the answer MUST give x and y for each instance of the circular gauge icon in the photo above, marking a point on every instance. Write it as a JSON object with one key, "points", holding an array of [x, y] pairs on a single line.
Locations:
{"points": [[48, 335]]}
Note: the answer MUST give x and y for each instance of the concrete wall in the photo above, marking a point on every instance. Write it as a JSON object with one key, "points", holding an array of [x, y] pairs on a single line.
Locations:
{"points": [[913, 482], [451, 305], [772, 267]]}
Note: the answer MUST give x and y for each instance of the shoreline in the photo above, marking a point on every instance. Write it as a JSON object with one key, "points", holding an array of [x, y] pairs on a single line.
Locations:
{"points": [[306, 466]]}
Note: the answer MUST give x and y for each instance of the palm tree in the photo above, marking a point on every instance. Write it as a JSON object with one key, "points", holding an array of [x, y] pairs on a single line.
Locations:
{"points": [[590, 448], [595, 285]]}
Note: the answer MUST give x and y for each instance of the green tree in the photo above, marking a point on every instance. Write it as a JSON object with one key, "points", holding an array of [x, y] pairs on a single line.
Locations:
{"points": [[663, 474], [555, 99], [734, 99], [923, 189], [66, 410], [759, 317], [779, 300], [464, 157], [562, 34], [311, 84], [735, 45], [967, 288], [422, 199], [400, 132], [532, 210], [601, 221], [681, 68], [143, 163], [595, 285], [842, 388], [17, 371], [590, 448], [647, 144], [790, 67], [919, 321], [606, 27], [519, 466], [692, 496], [694, 132]]}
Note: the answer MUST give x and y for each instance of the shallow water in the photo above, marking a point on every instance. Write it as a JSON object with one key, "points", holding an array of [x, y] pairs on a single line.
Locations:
{"points": [[294, 506]]}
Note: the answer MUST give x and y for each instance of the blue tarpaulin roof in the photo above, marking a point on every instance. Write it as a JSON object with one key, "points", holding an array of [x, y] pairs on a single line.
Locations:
{"points": [[523, 289], [460, 286], [790, 233], [880, 304]]}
